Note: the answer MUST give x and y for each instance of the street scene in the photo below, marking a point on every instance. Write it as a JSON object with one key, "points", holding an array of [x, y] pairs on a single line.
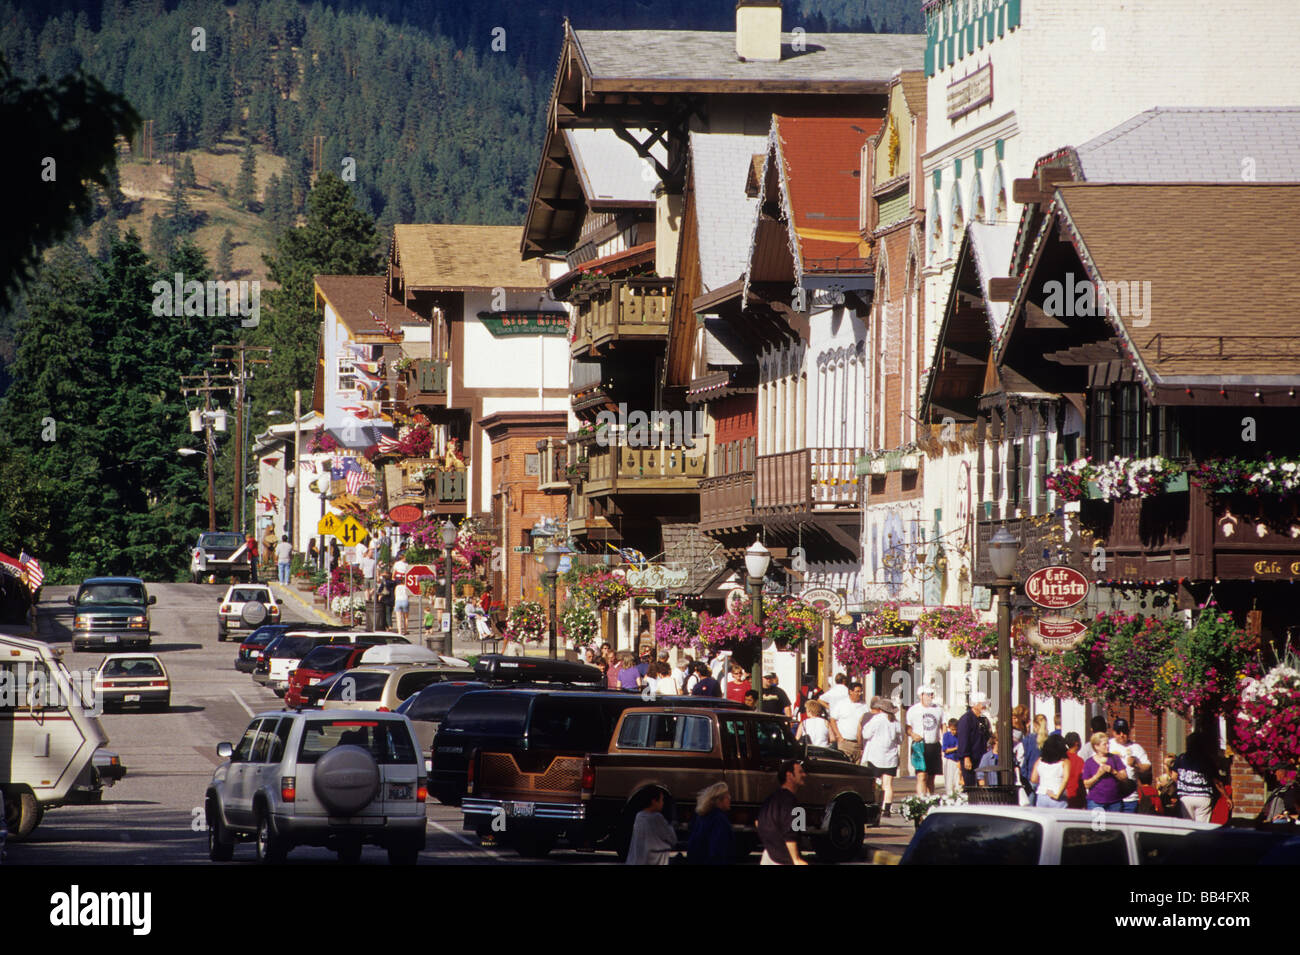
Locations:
{"points": [[607, 433]]}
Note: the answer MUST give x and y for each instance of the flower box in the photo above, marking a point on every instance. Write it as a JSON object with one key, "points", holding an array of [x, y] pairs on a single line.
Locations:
{"points": [[911, 461], [893, 461], [879, 466]]}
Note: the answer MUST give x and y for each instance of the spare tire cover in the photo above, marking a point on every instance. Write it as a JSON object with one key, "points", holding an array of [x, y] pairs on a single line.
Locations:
{"points": [[254, 613], [346, 780]]}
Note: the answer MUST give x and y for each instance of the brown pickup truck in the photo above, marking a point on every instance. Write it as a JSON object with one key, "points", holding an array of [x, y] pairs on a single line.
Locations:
{"points": [[590, 801]]}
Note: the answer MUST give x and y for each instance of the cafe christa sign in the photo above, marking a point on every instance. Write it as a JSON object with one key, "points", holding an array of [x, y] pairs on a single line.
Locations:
{"points": [[1056, 588]]}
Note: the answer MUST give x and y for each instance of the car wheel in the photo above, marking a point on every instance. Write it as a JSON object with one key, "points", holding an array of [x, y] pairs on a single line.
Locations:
{"points": [[843, 839], [221, 844], [534, 847], [22, 815], [403, 855], [349, 852], [271, 848]]}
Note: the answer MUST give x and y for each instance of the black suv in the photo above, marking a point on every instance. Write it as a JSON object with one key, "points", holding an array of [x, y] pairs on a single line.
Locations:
{"points": [[111, 612]]}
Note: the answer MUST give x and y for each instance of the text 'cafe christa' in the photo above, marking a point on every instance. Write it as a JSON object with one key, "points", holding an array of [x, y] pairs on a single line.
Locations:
{"points": [[1056, 587]]}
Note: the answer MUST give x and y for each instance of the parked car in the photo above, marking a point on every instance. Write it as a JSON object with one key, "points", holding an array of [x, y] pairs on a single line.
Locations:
{"points": [[111, 612], [255, 642], [591, 800], [505, 670], [1016, 835], [428, 708], [319, 663], [222, 554], [319, 779], [133, 679], [246, 607], [386, 686], [284, 656]]}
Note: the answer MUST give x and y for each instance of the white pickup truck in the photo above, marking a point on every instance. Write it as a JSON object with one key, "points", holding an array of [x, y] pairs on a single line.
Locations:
{"points": [[51, 740]]}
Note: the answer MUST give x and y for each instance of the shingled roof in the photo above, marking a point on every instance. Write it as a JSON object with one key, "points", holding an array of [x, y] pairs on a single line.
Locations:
{"points": [[454, 257], [364, 307]]}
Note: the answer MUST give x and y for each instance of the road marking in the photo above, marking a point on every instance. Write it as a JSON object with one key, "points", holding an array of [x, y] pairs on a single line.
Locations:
{"points": [[241, 702], [459, 838]]}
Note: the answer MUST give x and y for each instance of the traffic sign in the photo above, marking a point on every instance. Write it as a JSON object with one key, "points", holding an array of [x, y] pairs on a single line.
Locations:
{"points": [[412, 579], [351, 531], [329, 526], [523, 549], [1056, 588]]}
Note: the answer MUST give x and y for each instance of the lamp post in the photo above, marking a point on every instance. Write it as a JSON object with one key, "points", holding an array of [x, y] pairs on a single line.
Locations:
{"points": [[1003, 549], [757, 560], [551, 561], [448, 539], [290, 483]]}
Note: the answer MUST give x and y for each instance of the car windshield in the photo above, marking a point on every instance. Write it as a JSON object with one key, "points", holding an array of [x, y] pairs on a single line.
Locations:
{"points": [[134, 667], [111, 595], [220, 541], [242, 595], [327, 658], [296, 647], [389, 741], [955, 838], [264, 635]]}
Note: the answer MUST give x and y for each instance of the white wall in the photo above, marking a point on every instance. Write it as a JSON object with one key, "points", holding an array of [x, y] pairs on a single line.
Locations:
{"points": [[512, 362]]}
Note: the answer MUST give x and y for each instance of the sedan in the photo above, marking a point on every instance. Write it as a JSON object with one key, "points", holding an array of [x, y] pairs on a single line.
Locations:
{"points": [[133, 679]]}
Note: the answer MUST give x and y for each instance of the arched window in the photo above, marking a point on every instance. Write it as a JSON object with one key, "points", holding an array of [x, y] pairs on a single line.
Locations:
{"points": [[1000, 198], [936, 230], [958, 227], [977, 201]]}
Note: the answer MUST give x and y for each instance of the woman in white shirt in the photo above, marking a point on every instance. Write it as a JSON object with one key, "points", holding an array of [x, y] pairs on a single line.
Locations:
{"points": [[881, 736], [1050, 774], [816, 728], [664, 683], [401, 595]]}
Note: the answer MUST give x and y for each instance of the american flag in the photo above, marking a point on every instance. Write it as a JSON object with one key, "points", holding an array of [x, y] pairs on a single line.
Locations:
{"points": [[387, 444], [32, 568], [354, 481]]}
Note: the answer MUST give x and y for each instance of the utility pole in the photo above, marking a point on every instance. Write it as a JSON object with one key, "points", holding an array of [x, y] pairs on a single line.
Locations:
{"points": [[238, 353], [207, 388]]}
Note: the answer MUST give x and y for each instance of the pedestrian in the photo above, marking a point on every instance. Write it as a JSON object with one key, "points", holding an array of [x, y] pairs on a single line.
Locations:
{"points": [[612, 667], [924, 729], [837, 694], [283, 558], [1075, 797], [881, 737], [774, 698], [653, 836], [1096, 725], [972, 737], [1197, 778], [776, 817], [250, 542], [1050, 773], [751, 700], [710, 841], [267, 548], [816, 728], [385, 597], [707, 685], [336, 555], [1027, 753], [737, 683], [666, 681], [1136, 763], [671, 672], [690, 677], [951, 764], [849, 717], [401, 593], [313, 555], [1102, 774], [629, 677], [989, 762]]}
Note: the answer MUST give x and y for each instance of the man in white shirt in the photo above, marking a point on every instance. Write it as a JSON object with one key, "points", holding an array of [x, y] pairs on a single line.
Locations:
{"points": [[1134, 756], [283, 558], [925, 726], [837, 694], [848, 718], [401, 594]]}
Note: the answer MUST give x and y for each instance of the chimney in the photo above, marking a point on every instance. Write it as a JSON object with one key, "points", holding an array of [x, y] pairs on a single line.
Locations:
{"points": [[758, 30]]}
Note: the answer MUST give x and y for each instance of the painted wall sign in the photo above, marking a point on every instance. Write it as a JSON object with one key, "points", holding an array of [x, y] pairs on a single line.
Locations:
{"points": [[1056, 588], [503, 324], [970, 92]]}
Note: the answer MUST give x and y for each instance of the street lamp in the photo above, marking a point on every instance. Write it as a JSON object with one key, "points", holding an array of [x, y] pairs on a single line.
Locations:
{"points": [[1003, 549], [757, 560], [551, 561], [291, 482], [448, 539], [187, 452]]}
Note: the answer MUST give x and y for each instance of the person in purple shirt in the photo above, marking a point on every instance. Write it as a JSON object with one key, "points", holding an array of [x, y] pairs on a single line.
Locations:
{"points": [[1102, 774], [629, 678]]}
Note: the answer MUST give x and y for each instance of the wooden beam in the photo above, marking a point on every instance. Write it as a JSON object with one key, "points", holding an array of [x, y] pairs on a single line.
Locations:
{"points": [[1003, 289], [1035, 317], [1026, 191]]}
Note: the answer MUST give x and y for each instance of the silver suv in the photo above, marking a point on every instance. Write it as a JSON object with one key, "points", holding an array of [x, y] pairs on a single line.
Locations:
{"points": [[337, 780]]}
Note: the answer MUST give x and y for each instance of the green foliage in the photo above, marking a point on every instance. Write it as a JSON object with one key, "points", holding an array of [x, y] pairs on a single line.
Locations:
{"points": [[246, 181], [224, 267]]}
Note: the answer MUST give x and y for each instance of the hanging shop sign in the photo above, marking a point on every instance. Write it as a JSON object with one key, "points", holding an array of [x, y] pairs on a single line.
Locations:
{"points": [[734, 600], [1054, 633], [405, 514], [1056, 588], [889, 640], [823, 599], [658, 577], [506, 324]]}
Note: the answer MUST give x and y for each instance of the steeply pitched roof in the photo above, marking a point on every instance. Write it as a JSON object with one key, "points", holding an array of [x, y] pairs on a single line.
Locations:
{"points": [[1215, 304], [706, 61], [821, 162], [450, 257], [719, 165], [913, 83], [1198, 144], [364, 307], [609, 170], [991, 246]]}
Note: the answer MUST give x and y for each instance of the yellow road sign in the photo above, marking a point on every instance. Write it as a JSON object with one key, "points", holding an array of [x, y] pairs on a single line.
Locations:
{"points": [[351, 531], [330, 525]]}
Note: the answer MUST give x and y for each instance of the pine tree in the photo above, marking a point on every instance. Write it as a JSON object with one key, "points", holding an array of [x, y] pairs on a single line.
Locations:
{"points": [[246, 181], [188, 178], [225, 264], [279, 204]]}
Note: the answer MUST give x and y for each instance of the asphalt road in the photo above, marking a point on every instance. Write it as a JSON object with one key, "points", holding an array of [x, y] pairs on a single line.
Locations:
{"points": [[154, 815]]}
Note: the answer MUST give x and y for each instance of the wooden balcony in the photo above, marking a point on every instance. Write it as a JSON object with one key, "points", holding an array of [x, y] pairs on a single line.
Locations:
{"points": [[727, 503], [447, 491], [425, 383], [553, 456], [658, 470], [807, 480], [626, 310]]}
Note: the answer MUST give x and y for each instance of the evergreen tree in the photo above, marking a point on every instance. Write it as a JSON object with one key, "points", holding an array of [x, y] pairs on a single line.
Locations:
{"points": [[279, 204], [188, 178], [225, 264], [246, 181]]}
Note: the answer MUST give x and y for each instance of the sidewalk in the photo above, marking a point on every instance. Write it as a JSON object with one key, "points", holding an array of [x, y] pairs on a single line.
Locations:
{"points": [[295, 596], [895, 831]]}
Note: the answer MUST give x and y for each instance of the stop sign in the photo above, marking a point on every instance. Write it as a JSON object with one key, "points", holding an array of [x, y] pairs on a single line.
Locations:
{"points": [[412, 579]]}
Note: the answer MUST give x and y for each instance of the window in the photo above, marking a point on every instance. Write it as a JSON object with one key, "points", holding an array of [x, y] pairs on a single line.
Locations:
{"points": [[280, 743], [1080, 846], [358, 688], [1155, 848], [961, 839], [347, 374], [387, 740], [245, 747], [415, 681], [532, 465], [775, 740], [133, 667], [693, 734], [1124, 422]]}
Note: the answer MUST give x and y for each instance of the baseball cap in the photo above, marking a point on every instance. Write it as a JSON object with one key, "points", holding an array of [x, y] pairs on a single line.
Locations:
{"points": [[1120, 725], [925, 690], [977, 698]]}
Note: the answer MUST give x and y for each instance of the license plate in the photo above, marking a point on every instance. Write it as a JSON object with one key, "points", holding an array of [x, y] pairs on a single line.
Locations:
{"points": [[519, 808], [399, 792], [111, 638], [132, 698], [313, 681]]}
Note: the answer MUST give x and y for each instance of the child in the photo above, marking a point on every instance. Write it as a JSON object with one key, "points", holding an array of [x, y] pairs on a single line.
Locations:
{"points": [[989, 759], [951, 765]]}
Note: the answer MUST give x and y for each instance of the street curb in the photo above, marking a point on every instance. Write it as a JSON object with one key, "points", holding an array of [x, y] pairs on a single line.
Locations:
{"points": [[289, 596]]}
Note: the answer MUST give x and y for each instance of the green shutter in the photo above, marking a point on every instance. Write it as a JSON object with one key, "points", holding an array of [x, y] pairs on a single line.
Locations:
{"points": [[1013, 14], [1002, 19], [999, 147], [956, 168], [979, 159], [938, 177]]}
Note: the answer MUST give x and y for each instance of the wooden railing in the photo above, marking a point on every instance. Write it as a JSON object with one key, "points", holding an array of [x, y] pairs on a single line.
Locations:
{"points": [[426, 381], [808, 479], [727, 501], [553, 458], [630, 308], [622, 469]]}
